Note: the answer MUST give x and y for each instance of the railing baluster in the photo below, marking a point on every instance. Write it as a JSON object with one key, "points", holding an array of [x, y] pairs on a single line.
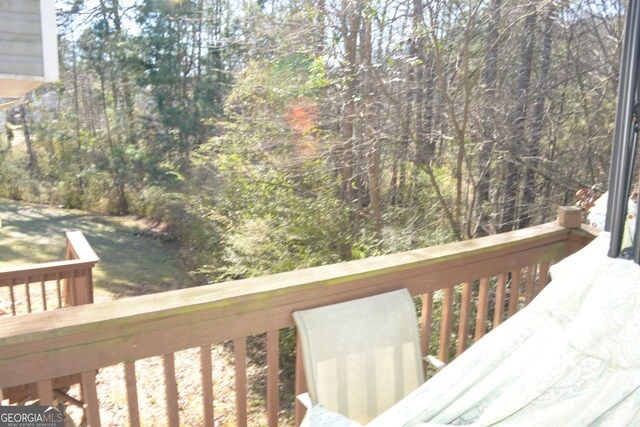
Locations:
{"points": [[483, 308], [79, 287], [240, 352], [207, 385], [498, 315], [445, 324], [43, 290], [59, 293], [514, 294], [82, 288], [427, 319], [543, 276], [273, 376], [27, 294], [88, 286], [171, 390], [90, 397], [45, 392], [465, 316], [530, 285], [132, 393], [12, 296], [71, 289]]}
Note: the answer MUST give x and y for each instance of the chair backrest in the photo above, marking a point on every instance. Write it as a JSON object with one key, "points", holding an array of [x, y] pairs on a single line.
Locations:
{"points": [[362, 356]]}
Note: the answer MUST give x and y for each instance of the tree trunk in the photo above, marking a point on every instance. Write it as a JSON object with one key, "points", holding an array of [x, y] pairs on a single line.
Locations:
{"points": [[489, 118], [31, 155], [533, 148], [350, 187], [350, 28], [517, 119], [372, 156], [421, 87]]}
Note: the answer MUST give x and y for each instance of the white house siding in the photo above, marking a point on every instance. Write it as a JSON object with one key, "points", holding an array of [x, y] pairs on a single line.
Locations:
{"points": [[28, 46], [21, 38]]}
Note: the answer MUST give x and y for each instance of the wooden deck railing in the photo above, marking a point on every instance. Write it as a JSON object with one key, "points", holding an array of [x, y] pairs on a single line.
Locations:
{"points": [[488, 278], [47, 286], [42, 287]]}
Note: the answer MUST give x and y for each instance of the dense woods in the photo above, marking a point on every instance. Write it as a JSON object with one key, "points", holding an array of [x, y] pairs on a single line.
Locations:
{"points": [[273, 135]]}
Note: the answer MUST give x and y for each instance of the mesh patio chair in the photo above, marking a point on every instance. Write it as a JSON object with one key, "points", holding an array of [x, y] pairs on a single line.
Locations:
{"points": [[362, 356]]}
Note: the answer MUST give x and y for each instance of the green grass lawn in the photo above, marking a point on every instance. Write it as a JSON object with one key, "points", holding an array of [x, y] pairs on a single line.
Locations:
{"points": [[131, 262]]}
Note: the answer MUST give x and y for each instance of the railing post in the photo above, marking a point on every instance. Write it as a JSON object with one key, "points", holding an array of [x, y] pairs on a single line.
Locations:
{"points": [[68, 251], [88, 286], [78, 289], [68, 284], [82, 288], [569, 216]]}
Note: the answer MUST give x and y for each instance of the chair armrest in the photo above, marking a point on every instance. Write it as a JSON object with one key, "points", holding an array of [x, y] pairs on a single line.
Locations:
{"points": [[435, 362], [305, 399]]}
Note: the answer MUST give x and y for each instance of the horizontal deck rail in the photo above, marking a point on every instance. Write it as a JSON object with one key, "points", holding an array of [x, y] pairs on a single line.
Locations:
{"points": [[491, 278]]}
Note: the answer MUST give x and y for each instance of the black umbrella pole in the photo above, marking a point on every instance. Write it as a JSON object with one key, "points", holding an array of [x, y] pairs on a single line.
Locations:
{"points": [[621, 162]]}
